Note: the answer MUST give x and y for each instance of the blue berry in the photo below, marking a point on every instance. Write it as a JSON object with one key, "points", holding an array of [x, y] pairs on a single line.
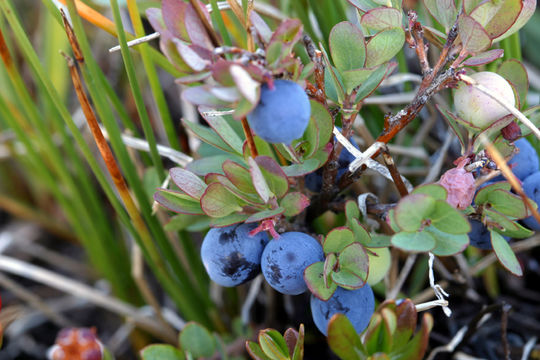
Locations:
{"points": [[531, 186], [525, 162], [285, 259], [358, 305], [480, 236], [232, 257], [282, 114]]}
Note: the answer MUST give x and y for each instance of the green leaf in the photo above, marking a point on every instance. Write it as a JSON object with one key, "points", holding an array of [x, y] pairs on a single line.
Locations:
{"points": [[533, 114], [273, 344], [343, 339], [347, 46], [188, 182], [338, 239], [351, 210], [444, 11], [187, 222], [308, 166], [416, 348], [265, 214], [198, 341], [474, 37], [218, 201], [298, 353], [507, 203], [255, 351], [273, 174], [516, 74], [412, 210], [252, 199], [309, 142], [220, 125], [161, 352], [384, 46], [314, 278], [504, 253], [209, 164], [510, 228], [329, 265], [178, 202], [379, 241], [361, 235], [355, 259], [208, 135], [239, 176], [294, 203], [228, 220], [259, 181], [447, 219], [347, 279], [356, 77], [482, 195], [332, 80], [324, 121], [373, 81], [382, 18], [436, 191], [422, 241], [447, 244]]}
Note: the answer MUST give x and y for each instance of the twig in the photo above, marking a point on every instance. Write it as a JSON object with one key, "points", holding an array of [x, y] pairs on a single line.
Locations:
{"points": [[407, 267], [396, 177], [504, 330], [137, 41], [436, 168], [529, 346], [249, 138], [430, 305], [67, 285]]}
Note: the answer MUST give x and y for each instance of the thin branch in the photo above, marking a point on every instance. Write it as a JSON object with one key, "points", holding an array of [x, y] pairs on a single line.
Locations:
{"points": [[389, 161]]}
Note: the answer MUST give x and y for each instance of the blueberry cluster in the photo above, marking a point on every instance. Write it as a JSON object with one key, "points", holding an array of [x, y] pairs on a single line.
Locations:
{"points": [[232, 257]]}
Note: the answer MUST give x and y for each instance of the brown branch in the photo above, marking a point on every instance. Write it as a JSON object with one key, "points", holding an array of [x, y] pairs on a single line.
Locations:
{"points": [[398, 181], [249, 138], [416, 41]]}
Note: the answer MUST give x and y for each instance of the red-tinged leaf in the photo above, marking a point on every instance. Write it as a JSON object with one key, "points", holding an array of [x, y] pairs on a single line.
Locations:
{"points": [[354, 259], [190, 56], [261, 27], [259, 182], [527, 11], [288, 32], [227, 94], [249, 88], [343, 339], [251, 199], [308, 166], [374, 80], [218, 201], [382, 18], [329, 265], [194, 78], [484, 58], [239, 176], [412, 210], [291, 337], [504, 253], [347, 46], [514, 72], [294, 203], [254, 350], [273, 344], [497, 17], [194, 27], [188, 182], [416, 348], [275, 177], [169, 48], [407, 316], [474, 37], [174, 12], [155, 19], [415, 242], [177, 202]]}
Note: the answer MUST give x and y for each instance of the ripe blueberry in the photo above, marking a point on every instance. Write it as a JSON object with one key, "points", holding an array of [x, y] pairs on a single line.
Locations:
{"points": [[525, 162], [285, 259], [531, 186], [282, 114], [232, 257], [480, 236], [358, 305]]}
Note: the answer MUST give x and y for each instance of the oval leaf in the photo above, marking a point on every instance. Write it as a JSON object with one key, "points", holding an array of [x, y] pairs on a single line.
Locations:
{"points": [[218, 201], [347, 46], [188, 182], [195, 339], [412, 210], [414, 241], [384, 46], [504, 253], [161, 352]]}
